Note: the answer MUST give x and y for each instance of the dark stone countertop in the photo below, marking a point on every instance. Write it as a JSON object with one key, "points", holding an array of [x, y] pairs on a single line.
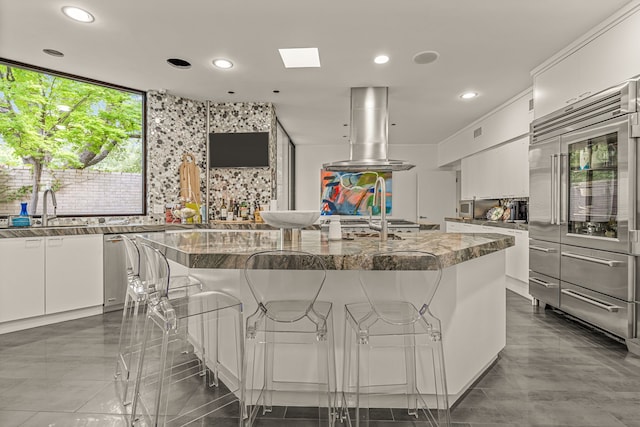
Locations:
{"points": [[230, 249], [512, 225]]}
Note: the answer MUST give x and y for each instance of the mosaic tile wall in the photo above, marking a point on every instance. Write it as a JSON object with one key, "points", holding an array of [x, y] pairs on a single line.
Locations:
{"points": [[244, 184], [174, 126], [177, 125]]}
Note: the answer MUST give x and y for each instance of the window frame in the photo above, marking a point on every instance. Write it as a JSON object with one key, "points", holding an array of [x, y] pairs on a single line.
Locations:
{"points": [[143, 94]]}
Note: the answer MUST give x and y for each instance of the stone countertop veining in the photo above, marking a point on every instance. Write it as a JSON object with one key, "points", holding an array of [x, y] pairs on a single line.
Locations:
{"points": [[230, 249], [501, 224], [130, 228], [13, 232]]}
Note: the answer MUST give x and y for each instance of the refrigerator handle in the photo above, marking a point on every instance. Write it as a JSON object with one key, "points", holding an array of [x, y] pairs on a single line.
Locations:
{"points": [[553, 188], [561, 200], [634, 233]]}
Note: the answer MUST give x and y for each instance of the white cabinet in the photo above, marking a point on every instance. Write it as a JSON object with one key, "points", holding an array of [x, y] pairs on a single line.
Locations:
{"points": [[516, 257], [500, 172], [73, 273], [505, 123], [22, 282], [599, 61]]}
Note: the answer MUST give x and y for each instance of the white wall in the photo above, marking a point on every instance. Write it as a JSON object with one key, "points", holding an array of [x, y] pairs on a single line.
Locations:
{"points": [[422, 191]]}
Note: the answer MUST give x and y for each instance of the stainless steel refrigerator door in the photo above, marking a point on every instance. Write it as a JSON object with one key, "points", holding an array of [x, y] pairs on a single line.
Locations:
{"points": [[595, 189], [544, 180]]}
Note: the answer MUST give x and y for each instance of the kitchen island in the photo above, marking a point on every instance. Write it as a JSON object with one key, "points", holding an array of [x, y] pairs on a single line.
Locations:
{"points": [[470, 301]]}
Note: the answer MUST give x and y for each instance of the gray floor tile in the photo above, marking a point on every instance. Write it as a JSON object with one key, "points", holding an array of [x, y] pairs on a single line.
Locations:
{"points": [[553, 372], [14, 418], [38, 395], [60, 419]]}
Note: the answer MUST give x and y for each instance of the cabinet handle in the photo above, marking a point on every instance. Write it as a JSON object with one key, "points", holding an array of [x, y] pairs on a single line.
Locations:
{"points": [[541, 249], [543, 283], [590, 300], [607, 262], [54, 241]]}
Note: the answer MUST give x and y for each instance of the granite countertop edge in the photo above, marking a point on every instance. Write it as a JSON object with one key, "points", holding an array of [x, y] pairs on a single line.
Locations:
{"points": [[17, 232], [450, 248]]}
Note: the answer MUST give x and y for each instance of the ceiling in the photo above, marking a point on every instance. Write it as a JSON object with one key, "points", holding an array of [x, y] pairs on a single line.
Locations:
{"points": [[487, 46]]}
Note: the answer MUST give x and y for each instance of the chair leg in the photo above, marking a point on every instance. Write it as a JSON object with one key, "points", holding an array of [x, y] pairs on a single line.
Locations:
{"points": [[332, 397], [136, 392], [410, 369], [267, 394], [444, 414], [161, 375], [240, 360], [346, 370]]}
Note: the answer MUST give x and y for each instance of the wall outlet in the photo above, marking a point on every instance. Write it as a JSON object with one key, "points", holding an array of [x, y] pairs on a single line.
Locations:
{"points": [[158, 209]]}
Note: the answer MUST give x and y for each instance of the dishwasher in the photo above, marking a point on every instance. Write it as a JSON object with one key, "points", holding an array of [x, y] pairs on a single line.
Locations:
{"points": [[114, 272]]}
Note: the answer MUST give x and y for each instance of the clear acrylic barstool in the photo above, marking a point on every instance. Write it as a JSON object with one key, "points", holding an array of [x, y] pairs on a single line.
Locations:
{"points": [[288, 321], [186, 373], [136, 295], [395, 322]]}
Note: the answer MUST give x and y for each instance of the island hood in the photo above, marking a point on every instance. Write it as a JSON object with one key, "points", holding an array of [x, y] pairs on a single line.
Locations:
{"points": [[369, 134]]}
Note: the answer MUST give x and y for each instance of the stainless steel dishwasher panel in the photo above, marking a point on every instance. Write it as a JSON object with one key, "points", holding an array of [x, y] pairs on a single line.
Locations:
{"points": [[115, 273]]}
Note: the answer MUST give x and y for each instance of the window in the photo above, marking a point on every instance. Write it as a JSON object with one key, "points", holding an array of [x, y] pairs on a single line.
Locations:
{"points": [[83, 139]]}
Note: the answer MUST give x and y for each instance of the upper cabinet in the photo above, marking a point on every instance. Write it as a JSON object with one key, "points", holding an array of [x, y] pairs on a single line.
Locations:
{"points": [[602, 58], [507, 122], [501, 172]]}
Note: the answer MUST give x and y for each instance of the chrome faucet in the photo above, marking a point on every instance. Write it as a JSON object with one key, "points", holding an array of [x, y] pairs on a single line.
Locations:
{"points": [[382, 227], [45, 217]]}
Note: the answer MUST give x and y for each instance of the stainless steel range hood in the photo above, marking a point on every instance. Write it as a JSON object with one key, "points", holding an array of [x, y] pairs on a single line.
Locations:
{"points": [[369, 134]]}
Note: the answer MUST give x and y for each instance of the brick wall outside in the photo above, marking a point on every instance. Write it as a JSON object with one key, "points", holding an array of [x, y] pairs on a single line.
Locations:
{"points": [[81, 192]]}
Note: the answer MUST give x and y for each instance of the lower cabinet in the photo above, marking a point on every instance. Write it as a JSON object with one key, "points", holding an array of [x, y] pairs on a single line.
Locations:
{"points": [[22, 282], [46, 275], [516, 257], [73, 273]]}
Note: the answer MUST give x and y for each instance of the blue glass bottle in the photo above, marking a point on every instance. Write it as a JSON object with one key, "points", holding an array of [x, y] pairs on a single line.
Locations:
{"points": [[23, 209]]}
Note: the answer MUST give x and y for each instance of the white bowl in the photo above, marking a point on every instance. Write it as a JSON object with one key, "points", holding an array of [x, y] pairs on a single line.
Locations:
{"points": [[290, 219]]}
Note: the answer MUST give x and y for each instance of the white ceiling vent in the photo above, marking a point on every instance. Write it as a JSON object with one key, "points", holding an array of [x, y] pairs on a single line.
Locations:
{"points": [[477, 132]]}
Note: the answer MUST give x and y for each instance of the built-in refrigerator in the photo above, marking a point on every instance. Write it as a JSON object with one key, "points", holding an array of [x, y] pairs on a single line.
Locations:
{"points": [[583, 210]]}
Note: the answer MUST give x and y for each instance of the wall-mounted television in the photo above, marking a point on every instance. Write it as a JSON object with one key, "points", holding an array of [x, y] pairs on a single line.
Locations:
{"points": [[239, 150]]}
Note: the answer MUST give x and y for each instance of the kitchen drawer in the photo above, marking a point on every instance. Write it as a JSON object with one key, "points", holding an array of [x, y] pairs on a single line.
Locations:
{"points": [[544, 288], [544, 257], [601, 271], [611, 314]]}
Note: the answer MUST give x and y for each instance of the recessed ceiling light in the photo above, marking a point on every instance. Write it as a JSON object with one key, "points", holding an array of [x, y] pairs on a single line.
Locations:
{"points": [[222, 63], [308, 57], [53, 52], [64, 108], [426, 57], [179, 63], [78, 14], [381, 59], [469, 95]]}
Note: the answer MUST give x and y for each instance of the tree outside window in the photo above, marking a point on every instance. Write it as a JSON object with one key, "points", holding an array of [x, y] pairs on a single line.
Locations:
{"points": [[82, 139]]}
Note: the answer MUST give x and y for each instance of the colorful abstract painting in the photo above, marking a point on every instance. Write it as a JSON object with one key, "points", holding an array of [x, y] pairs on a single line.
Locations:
{"points": [[351, 193]]}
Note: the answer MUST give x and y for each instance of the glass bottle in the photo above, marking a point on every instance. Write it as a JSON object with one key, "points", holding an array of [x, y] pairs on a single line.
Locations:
{"points": [[223, 211]]}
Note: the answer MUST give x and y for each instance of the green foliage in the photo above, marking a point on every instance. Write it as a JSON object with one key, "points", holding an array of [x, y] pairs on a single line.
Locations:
{"points": [[63, 123]]}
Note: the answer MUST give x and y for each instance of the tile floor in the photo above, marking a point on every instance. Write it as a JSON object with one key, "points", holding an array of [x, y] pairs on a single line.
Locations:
{"points": [[553, 372]]}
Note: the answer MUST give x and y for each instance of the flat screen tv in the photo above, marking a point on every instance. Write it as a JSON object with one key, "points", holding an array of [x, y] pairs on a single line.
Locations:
{"points": [[239, 150]]}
